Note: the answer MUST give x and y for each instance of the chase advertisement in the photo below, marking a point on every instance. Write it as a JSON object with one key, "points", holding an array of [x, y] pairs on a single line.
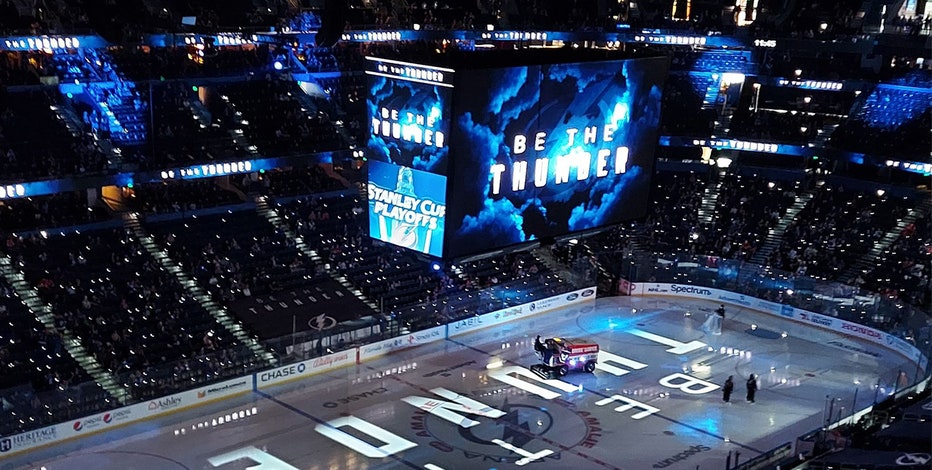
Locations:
{"points": [[407, 109], [547, 150], [407, 207]]}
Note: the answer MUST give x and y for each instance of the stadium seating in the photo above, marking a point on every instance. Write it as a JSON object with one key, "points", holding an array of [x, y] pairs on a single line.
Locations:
{"points": [[275, 245], [126, 311], [276, 120], [37, 143], [891, 122], [179, 197], [834, 229], [747, 207], [41, 383], [674, 213], [905, 268], [233, 255], [48, 212], [185, 133]]}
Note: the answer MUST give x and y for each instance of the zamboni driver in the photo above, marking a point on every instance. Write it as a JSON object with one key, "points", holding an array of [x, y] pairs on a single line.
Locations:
{"points": [[546, 351]]}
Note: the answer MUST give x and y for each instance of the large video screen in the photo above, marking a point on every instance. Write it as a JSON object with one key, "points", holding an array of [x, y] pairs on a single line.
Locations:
{"points": [[407, 207], [408, 106], [547, 150]]}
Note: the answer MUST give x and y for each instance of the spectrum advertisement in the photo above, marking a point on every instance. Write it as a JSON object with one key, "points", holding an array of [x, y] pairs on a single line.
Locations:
{"points": [[407, 207], [546, 150], [407, 109]]}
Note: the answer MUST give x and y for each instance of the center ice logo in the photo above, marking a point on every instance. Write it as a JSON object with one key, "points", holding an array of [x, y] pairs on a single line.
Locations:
{"points": [[520, 426]]}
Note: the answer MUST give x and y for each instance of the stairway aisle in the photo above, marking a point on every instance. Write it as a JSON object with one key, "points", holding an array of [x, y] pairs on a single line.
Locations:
{"points": [[220, 313], [710, 199], [775, 234], [869, 259], [43, 313], [274, 218]]}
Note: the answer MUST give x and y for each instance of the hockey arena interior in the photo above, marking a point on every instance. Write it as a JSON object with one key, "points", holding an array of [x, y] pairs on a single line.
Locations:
{"points": [[373, 234]]}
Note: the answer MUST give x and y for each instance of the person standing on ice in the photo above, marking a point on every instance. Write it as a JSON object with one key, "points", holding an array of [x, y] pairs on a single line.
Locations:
{"points": [[727, 389], [713, 323], [752, 388]]}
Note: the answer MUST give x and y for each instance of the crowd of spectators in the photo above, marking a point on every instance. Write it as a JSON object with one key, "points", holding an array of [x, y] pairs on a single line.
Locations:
{"points": [[36, 144], [836, 227], [170, 197], [673, 216], [184, 133], [276, 120], [47, 212], [399, 282], [905, 268], [682, 107], [143, 326], [748, 206], [149, 63], [233, 255], [126, 310], [41, 383], [334, 226]]}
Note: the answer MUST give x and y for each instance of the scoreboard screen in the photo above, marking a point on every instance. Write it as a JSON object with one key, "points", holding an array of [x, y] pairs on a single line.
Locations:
{"points": [[547, 150], [408, 106], [407, 207]]}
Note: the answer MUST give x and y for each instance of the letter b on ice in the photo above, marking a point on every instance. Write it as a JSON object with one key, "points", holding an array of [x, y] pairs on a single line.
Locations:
{"points": [[688, 384]]}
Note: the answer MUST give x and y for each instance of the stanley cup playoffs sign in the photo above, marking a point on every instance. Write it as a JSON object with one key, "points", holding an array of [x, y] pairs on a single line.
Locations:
{"points": [[509, 155]]}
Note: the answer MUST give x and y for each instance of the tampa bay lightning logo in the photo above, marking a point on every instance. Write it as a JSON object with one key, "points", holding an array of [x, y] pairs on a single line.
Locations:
{"points": [[913, 459], [322, 322]]}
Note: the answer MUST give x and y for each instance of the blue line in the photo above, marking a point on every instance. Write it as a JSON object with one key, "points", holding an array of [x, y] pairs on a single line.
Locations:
{"points": [[700, 430], [325, 423]]}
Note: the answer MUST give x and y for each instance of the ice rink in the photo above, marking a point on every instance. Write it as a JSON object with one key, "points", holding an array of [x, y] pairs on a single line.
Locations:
{"points": [[465, 402]]}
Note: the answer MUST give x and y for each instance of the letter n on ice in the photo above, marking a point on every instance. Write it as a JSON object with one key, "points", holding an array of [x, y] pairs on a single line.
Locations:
{"points": [[448, 410]]}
